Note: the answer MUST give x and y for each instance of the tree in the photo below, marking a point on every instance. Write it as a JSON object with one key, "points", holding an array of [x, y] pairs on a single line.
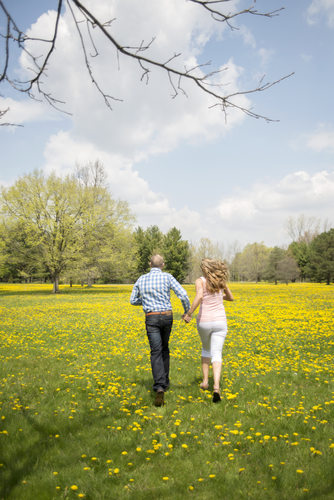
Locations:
{"points": [[107, 227], [254, 261], [300, 252], [148, 242], [66, 222], [51, 211], [176, 254], [204, 249], [272, 272], [20, 258], [287, 269], [90, 29], [320, 266], [304, 229]]}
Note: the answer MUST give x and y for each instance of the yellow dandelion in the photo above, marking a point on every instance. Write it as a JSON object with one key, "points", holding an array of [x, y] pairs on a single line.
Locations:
{"points": [[74, 487]]}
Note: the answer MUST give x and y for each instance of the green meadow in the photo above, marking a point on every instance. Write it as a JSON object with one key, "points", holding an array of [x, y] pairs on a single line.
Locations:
{"points": [[76, 408]]}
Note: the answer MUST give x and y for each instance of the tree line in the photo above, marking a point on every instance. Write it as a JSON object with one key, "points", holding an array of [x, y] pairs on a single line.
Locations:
{"points": [[71, 229]]}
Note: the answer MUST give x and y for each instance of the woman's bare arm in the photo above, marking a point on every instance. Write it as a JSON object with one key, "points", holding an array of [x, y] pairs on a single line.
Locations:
{"points": [[196, 302]]}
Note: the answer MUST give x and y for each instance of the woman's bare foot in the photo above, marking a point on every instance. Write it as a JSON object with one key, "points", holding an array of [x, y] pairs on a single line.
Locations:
{"points": [[204, 386]]}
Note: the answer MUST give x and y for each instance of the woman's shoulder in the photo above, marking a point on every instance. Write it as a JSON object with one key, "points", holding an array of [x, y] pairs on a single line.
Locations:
{"points": [[200, 280]]}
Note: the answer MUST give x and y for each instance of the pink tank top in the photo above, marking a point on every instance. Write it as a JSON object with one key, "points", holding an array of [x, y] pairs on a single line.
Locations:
{"points": [[212, 307]]}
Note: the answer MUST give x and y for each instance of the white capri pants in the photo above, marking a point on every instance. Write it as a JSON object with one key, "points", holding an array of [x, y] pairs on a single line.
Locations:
{"points": [[212, 335]]}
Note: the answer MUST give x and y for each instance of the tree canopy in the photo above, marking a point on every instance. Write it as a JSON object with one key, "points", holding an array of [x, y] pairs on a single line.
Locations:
{"points": [[320, 266], [61, 223]]}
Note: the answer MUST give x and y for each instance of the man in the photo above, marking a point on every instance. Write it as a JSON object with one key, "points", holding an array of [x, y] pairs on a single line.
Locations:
{"points": [[152, 291]]}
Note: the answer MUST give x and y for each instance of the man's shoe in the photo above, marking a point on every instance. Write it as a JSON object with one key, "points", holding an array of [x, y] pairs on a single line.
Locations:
{"points": [[159, 398]]}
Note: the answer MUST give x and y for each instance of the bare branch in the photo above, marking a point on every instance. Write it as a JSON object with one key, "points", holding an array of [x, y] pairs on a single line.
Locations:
{"points": [[206, 82], [53, 43], [106, 97], [219, 16], [7, 124]]}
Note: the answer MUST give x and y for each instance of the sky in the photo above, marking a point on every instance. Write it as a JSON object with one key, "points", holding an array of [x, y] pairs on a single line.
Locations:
{"points": [[178, 161]]}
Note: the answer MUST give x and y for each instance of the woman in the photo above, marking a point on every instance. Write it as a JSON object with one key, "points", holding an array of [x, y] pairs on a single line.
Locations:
{"points": [[211, 290]]}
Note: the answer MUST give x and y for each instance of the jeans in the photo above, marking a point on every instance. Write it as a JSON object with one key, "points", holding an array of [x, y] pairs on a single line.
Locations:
{"points": [[158, 328]]}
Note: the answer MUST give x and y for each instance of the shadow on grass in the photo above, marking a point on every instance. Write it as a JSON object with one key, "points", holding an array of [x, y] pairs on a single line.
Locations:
{"points": [[23, 461]]}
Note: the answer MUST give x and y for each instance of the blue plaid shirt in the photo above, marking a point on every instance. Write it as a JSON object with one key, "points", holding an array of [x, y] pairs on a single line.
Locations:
{"points": [[152, 291]]}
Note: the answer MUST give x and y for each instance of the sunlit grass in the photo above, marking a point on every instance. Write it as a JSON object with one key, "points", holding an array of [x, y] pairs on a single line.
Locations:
{"points": [[76, 413]]}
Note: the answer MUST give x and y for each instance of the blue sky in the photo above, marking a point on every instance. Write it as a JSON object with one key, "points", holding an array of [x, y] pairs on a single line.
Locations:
{"points": [[176, 162]]}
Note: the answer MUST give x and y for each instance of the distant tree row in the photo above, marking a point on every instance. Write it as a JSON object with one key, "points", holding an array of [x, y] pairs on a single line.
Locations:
{"points": [[71, 229], [310, 256]]}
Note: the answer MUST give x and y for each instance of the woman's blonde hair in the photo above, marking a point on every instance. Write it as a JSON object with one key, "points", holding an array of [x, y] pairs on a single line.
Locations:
{"points": [[216, 274]]}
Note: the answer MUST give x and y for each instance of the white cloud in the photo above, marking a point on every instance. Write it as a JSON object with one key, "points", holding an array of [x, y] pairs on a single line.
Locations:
{"points": [[259, 213], [322, 140], [247, 35], [148, 121], [62, 152], [27, 110], [265, 55], [321, 8]]}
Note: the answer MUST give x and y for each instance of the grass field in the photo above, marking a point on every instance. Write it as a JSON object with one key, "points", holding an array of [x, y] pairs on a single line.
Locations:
{"points": [[76, 412]]}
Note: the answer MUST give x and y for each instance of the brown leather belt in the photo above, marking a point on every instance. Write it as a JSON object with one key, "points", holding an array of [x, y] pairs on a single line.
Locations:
{"points": [[159, 312]]}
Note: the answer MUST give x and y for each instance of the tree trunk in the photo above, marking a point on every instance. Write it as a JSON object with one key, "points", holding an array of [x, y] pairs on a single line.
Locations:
{"points": [[56, 284]]}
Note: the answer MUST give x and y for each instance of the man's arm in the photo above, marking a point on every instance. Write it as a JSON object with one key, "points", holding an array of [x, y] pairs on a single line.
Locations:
{"points": [[135, 298], [180, 293]]}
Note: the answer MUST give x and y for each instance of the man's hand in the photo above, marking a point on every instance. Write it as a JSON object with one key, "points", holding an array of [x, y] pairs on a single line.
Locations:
{"points": [[186, 317]]}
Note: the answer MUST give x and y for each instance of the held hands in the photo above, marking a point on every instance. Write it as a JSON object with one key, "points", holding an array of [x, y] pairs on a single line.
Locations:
{"points": [[186, 317]]}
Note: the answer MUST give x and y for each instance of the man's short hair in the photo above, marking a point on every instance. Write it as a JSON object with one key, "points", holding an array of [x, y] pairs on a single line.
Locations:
{"points": [[157, 261]]}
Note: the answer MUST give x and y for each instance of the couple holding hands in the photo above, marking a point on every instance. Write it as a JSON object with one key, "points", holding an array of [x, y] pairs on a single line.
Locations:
{"points": [[152, 292]]}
